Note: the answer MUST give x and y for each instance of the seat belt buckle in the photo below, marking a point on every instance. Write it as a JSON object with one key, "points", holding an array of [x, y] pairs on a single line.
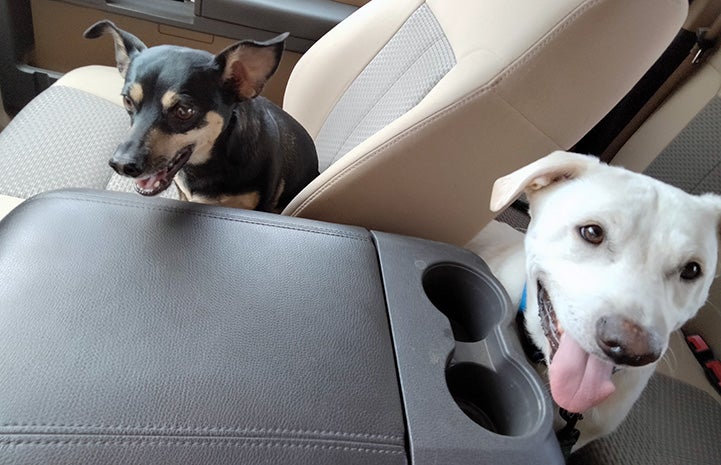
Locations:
{"points": [[712, 368], [703, 45], [700, 349]]}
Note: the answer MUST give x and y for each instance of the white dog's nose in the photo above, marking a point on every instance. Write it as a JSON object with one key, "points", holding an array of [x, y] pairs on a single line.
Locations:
{"points": [[626, 342]]}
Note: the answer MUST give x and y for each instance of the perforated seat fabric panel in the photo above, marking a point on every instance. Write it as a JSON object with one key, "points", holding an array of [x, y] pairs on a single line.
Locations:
{"points": [[692, 160], [63, 138], [672, 423], [39, 154], [402, 73]]}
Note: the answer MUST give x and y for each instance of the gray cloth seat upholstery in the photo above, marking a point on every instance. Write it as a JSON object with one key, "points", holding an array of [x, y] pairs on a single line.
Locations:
{"points": [[40, 155], [672, 423], [63, 139]]}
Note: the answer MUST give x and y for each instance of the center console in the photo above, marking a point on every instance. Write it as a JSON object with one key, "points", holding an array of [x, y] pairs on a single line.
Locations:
{"points": [[138, 330]]}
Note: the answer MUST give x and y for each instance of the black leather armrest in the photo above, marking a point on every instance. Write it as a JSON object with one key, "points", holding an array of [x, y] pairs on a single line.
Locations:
{"points": [[135, 331]]}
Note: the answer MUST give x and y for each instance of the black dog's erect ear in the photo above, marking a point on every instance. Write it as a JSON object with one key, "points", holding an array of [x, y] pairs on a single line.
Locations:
{"points": [[248, 65], [126, 44]]}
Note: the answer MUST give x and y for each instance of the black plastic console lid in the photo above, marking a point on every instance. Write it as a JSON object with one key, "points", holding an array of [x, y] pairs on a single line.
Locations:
{"points": [[136, 331]]}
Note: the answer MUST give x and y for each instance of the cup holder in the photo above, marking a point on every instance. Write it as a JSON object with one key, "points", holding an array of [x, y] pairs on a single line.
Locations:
{"points": [[486, 402], [471, 303], [493, 392], [505, 403]]}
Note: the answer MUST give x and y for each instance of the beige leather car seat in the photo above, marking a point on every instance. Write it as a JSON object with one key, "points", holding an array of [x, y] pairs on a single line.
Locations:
{"points": [[504, 82], [415, 106]]}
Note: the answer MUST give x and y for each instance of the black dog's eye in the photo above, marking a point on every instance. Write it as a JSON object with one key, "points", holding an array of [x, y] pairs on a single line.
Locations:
{"points": [[127, 101], [690, 271], [592, 233], [184, 112]]}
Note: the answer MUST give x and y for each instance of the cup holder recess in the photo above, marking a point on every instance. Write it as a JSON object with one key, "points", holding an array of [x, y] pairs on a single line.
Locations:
{"points": [[503, 402], [469, 394], [471, 304], [497, 395]]}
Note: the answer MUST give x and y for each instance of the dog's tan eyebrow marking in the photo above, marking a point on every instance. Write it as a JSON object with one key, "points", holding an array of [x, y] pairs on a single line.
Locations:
{"points": [[136, 93], [169, 99]]}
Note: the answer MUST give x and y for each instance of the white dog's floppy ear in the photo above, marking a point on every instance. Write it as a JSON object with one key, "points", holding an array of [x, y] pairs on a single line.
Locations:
{"points": [[557, 166], [715, 201]]}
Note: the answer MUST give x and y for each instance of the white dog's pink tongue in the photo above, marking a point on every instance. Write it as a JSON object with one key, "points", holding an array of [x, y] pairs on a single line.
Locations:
{"points": [[579, 381]]}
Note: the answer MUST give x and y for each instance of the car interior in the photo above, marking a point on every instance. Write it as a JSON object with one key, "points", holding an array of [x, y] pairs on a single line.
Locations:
{"points": [[355, 327]]}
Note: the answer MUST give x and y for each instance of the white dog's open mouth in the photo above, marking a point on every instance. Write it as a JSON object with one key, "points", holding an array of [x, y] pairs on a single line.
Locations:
{"points": [[160, 180], [549, 322], [579, 380]]}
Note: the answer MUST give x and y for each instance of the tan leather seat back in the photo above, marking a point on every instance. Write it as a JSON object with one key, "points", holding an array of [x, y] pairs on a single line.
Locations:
{"points": [[418, 106]]}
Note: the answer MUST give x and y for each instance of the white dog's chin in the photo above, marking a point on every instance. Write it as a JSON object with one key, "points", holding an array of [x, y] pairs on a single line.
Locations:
{"points": [[579, 380]]}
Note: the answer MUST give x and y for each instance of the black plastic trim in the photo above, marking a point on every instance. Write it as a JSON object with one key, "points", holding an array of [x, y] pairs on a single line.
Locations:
{"points": [[306, 20], [309, 19], [17, 81], [602, 135]]}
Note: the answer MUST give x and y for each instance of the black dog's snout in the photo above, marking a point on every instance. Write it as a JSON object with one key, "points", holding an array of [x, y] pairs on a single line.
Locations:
{"points": [[626, 342], [131, 155], [127, 169]]}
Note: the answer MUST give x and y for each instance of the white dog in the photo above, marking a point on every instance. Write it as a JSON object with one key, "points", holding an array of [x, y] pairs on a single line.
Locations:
{"points": [[614, 262]]}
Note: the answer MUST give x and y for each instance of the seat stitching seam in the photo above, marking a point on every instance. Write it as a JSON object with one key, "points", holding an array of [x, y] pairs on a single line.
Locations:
{"points": [[328, 232], [206, 429], [392, 450]]}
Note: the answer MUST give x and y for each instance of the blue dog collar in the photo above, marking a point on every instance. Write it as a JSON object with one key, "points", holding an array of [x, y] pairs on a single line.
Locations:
{"points": [[522, 303]]}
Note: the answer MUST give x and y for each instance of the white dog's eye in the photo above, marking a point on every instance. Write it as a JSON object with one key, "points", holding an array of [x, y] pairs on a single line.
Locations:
{"points": [[690, 271], [592, 233]]}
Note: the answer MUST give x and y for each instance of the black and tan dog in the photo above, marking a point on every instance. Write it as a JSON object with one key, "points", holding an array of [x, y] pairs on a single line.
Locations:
{"points": [[197, 118]]}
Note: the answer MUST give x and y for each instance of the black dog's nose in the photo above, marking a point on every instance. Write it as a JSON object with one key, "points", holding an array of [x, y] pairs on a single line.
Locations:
{"points": [[128, 169], [626, 342]]}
